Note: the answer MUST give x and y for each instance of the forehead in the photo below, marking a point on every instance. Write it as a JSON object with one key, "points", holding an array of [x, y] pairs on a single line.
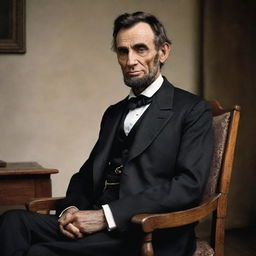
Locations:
{"points": [[139, 33]]}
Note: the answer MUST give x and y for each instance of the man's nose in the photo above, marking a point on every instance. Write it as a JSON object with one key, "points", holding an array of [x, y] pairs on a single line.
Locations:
{"points": [[132, 59]]}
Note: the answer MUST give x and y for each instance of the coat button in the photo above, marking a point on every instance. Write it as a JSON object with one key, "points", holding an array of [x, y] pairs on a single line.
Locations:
{"points": [[118, 170]]}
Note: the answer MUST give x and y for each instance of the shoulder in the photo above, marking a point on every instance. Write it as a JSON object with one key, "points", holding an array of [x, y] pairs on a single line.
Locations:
{"points": [[186, 106], [116, 106], [192, 108], [114, 110], [185, 101]]}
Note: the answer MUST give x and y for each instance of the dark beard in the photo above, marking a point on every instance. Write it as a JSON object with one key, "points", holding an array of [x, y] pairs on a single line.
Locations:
{"points": [[140, 82], [146, 80]]}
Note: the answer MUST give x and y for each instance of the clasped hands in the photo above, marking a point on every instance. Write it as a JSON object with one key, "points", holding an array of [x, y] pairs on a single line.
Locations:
{"points": [[74, 223]]}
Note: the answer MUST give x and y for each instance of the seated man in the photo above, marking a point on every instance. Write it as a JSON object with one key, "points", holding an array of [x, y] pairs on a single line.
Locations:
{"points": [[153, 155]]}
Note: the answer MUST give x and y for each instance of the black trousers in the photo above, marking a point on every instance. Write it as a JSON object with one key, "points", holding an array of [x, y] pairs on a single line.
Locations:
{"points": [[28, 233], [33, 234]]}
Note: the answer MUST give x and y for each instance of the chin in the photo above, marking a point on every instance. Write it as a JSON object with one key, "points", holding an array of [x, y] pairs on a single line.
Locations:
{"points": [[138, 82]]}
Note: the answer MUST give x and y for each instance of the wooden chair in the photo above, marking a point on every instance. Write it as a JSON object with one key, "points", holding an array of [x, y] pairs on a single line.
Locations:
{"points": [[225, 123]]}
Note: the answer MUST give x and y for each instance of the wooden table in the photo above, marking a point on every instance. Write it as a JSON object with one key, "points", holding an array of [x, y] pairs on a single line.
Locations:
{"points": [[20, 182]]}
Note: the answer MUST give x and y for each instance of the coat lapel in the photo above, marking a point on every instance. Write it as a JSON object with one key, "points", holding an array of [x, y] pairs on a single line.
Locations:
{"points": [[156, 117]]}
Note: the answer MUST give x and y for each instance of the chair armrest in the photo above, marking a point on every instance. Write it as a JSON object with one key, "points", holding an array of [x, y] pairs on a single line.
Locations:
{"points": [[43, 205], [150, 222]]}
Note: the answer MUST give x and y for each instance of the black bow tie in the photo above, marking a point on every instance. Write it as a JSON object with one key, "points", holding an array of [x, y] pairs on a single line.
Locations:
{"points": [[139, 101]]}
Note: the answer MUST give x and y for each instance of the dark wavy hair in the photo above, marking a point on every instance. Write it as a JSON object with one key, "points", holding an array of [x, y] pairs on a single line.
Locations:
{"points": [[128, 20]]}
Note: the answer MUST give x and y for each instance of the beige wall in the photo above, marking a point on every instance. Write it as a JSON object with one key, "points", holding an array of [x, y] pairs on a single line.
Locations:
{"points": [[49, 97]]}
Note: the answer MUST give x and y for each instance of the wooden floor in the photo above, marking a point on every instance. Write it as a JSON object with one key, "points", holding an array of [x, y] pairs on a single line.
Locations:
{"points": [[238, 242]]}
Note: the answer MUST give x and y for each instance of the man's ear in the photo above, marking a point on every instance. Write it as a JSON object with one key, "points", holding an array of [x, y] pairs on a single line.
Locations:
{"points": [[164, 52]]}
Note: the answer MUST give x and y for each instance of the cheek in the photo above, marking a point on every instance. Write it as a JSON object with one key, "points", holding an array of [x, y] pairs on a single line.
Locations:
{"points": [[144, 61], [149, 63], [121, 63]]}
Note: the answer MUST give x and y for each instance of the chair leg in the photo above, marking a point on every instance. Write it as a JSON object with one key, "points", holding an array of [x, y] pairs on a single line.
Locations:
{"points": [[219, 236], [147, 248]]}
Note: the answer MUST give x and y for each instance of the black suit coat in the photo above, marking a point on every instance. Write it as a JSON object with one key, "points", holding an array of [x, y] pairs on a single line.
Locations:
{"points": [[168, 163]]}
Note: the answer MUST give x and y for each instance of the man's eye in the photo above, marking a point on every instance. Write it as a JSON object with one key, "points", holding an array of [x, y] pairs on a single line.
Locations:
{"points": [[122, 51], [141, 49]]}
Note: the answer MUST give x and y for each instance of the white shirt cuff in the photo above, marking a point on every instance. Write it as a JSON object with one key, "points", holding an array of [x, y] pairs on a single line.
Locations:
{"points": [[109, 217], [67, 209]]}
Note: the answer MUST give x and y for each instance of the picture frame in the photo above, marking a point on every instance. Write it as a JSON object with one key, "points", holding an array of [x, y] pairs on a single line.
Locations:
{"points": [[12, 26]]}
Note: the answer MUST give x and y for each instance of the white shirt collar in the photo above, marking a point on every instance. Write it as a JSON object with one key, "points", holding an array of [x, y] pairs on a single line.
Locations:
{"points": [[151, 89]]}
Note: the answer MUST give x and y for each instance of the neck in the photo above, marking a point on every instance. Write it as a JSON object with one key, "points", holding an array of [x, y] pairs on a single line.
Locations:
{"points": [[138, 90]]}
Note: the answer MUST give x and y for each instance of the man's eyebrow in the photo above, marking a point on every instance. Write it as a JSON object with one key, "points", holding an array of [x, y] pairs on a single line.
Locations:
{"points": [[135, 46], [138, 45], [121, 47]]}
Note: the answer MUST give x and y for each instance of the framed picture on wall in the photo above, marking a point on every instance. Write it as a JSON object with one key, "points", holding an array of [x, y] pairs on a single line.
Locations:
{"points": [[12, 26]]}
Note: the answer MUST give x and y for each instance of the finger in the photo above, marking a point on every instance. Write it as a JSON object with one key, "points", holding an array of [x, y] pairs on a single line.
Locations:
{"points": [[74, 230], [85, 227], [66, 233], [65, 219], [64, 216]]}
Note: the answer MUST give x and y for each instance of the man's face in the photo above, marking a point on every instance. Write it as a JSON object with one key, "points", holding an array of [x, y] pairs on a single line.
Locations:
{"points": [[137, 55]]}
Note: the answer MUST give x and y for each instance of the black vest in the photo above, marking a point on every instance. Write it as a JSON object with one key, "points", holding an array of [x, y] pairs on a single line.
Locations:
{"points": [[118, 156], [120, 148]]}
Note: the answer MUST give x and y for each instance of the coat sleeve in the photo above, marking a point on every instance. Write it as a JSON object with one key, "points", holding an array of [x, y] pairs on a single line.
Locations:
{"points": [[184, 190]]}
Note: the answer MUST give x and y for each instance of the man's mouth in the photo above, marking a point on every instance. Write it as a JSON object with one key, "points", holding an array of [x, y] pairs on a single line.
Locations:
{"points": [[133, 73]]}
